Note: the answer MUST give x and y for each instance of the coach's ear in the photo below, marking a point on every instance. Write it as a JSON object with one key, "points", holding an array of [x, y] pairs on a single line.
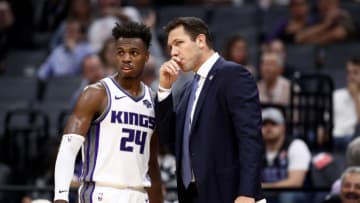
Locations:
{"points": [[201, 41]]}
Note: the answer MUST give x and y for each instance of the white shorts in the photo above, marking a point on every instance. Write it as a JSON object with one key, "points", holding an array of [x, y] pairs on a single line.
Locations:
{"points": [[91, 193]]}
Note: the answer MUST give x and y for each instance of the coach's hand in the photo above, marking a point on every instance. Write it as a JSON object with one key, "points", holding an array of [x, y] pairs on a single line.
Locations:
{"points": [[169, 72]]}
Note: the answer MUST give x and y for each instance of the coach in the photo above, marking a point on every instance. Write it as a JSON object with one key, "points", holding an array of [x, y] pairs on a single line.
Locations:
{"points": [[216, 125]]}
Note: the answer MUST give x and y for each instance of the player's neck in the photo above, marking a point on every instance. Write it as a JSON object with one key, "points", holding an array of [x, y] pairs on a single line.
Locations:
{"points": [[131, 85]]}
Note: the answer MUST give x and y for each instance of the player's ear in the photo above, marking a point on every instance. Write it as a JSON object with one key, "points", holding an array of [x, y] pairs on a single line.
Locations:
{"points": [[147, 56]]}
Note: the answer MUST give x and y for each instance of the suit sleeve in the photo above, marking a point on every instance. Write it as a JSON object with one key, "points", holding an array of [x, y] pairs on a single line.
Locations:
{"points": [[165, 120], [245, 110]]}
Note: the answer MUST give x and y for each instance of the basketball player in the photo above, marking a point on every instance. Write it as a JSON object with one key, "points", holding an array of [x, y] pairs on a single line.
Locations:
{"points": [[113, 121]]}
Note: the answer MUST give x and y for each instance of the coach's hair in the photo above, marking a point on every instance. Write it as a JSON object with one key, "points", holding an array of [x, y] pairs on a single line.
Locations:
{"points": [[192, 26], [132, 30]]}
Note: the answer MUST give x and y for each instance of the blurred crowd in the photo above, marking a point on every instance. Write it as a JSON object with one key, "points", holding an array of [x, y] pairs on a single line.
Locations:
{"points": [[310, 129]]}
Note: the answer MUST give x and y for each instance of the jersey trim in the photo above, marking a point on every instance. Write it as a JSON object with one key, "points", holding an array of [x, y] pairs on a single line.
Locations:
{"points": [[96, 148], [86, 192], [107, 109], [136, 99], [91, 148]]}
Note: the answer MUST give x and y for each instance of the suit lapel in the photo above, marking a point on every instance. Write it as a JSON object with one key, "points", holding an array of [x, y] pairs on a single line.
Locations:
{"points": [[180, 114], [208, 81]]}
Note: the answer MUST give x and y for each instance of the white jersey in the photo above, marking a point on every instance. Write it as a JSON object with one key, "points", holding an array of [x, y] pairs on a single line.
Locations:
{"points": [[117, 148]]}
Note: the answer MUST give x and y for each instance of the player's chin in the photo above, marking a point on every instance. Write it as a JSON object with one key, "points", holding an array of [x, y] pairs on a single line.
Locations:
{"points": [[131, 76]]}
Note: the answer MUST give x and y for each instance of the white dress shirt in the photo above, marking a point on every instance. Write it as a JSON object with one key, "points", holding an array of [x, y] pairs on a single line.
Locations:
{"points": [[345, 117], [203, 72]]}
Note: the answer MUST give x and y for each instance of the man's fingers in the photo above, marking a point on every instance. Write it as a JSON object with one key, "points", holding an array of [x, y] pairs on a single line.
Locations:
{"points": [[175, 65], [171, 67], [176, 59]]}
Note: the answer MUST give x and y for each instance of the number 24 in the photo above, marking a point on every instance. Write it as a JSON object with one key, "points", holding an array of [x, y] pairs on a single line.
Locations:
{"points": [[136, 136]]}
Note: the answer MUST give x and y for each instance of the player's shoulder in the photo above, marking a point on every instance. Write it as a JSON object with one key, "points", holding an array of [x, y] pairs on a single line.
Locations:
{"points": [[91, 98], [151, 92], [96, 90]]}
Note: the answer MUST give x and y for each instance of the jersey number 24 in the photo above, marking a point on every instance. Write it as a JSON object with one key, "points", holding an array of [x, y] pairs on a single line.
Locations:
{"points": [[134, 136]]}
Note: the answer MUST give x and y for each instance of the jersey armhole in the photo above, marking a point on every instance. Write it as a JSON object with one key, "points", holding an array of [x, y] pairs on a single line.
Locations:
{"points": [[107, 109]]}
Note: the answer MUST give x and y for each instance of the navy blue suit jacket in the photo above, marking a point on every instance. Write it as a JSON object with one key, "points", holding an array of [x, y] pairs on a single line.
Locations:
{"points": [[226, 145]]}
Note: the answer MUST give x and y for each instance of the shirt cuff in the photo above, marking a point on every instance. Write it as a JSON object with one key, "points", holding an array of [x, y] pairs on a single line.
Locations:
{"points": [[163, 93]]}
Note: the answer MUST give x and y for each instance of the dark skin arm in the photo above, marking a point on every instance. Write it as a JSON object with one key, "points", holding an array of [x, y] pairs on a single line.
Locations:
{"points": [[91, 101], [155, 194]]}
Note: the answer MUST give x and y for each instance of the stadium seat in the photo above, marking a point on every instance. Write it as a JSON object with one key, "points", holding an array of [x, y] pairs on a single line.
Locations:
{"points": [[26, 132], [335, 59], [17, 92], [302, 57], [221, 36], [16, 88], [56, 112], [165, 14], [311, 112], [61, 89], [24, 62], [271, 17], [234, 17]]}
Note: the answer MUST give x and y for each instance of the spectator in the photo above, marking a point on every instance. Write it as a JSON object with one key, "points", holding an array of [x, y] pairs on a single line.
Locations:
{"points": [[266, 4], [49, 14], [109, 12], [6, 25], [114, 8], [150, 76], [287, 160], [156, 50], [80, 10], [237, 50], [352, 159], [347, 106], [65, 59], [334, 25], [273, 88], [107, 56], [350, 187], [278, 47], [167, 165], [287, 29], [92, 71]]}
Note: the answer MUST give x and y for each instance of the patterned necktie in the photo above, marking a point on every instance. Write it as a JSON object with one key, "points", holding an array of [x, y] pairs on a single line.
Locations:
{"points": [[185, 160]]}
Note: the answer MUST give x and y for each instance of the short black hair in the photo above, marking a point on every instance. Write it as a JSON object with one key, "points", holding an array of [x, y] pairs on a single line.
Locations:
{"points": [[132, 30], [193, 26], [355, 60]]}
